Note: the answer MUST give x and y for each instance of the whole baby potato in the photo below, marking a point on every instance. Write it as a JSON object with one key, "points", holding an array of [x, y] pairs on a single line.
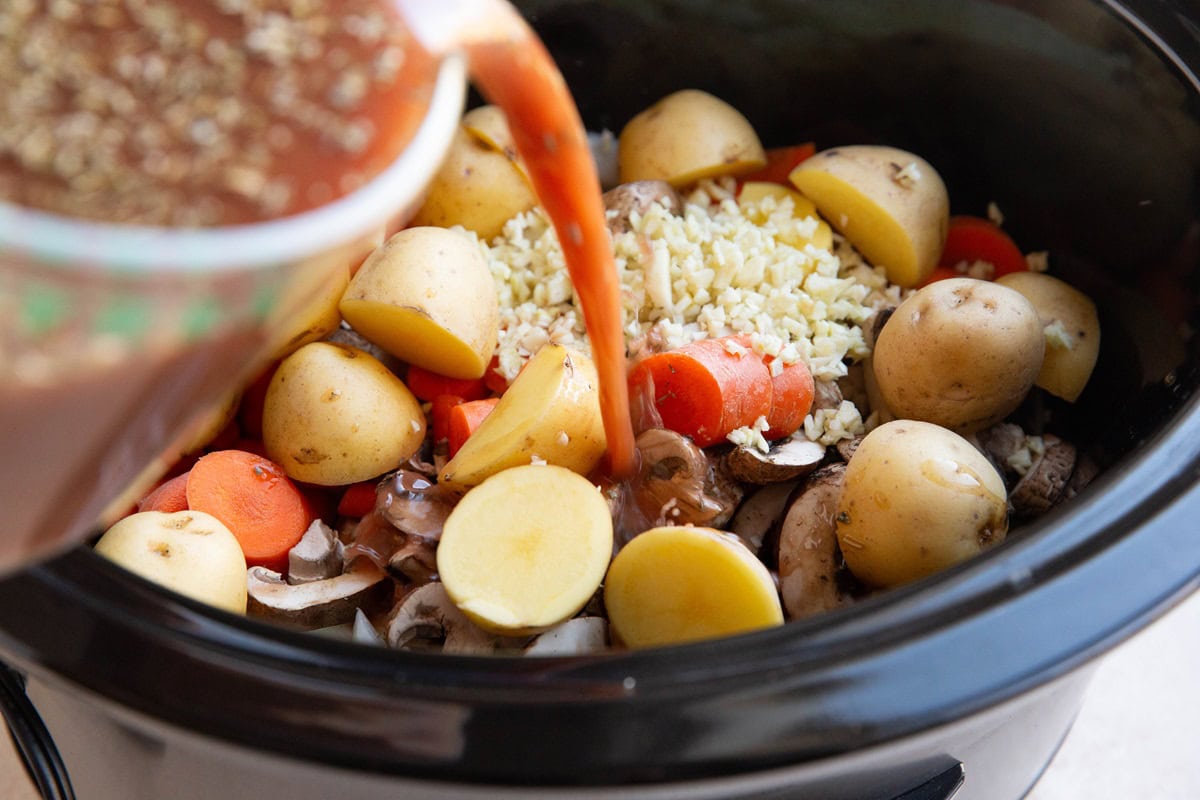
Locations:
{"points": [[687, 136], [890, 204], [917, 499], [334, 415], [960, 353], [1072, 329], [427, 297], [189, 552], [478, 187]]}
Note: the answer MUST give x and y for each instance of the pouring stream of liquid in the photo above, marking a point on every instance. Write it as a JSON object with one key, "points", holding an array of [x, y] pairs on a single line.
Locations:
{"points": [[511, 67]]}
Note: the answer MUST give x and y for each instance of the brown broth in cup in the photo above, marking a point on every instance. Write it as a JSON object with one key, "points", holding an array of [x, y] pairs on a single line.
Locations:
{"points": [[188, 113]]}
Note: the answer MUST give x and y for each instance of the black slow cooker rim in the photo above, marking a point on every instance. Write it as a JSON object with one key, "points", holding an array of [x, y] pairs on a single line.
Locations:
{"points": [[973, 637], [859, 663]]}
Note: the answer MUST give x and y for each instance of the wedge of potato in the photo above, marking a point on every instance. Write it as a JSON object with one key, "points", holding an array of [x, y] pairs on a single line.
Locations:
{"points": [[550, 413], [427, 297], [489, 125], [890, 204], [513, 561], [1072, 329]]}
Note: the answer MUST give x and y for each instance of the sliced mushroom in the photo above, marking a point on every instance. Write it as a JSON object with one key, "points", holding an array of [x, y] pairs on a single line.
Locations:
{"points": [[759, 513], [1086, 470], [574, 637], [317, 556], [809, 559], [364, 632], [846, 447], [414, 504], [414, 560], [637, 196], [677, 484], [1043, 484], [791, 458], [427, 619], [826, 395], [1000, 443], [319, 604]]}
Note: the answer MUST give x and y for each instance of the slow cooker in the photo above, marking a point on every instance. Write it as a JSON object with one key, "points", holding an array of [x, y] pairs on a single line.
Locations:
{"points": [[1081, 121]]}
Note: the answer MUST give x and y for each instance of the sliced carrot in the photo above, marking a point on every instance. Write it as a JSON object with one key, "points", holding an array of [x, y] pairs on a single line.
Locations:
{"points": [[254, 499], [465, 418], [791, 399], [780, 163], [358, 500], [970, 239], [706, 389], [443, 404], [941, 274], [495, 382], [169, 497], [427, 385]]}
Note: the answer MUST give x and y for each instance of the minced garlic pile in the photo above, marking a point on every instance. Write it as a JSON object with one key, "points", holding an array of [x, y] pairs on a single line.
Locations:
{"points": [[715, 270]]}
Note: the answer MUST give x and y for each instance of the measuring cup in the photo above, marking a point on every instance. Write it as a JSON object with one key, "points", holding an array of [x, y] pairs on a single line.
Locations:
{"points": [[118, 344]]}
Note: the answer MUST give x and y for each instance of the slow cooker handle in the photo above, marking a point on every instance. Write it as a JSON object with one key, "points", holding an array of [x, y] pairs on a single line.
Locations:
{"points": [[939, 787], [33, 741]]}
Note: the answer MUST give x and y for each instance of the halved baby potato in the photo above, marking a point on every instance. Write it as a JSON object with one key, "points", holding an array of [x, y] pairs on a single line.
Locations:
{"points": [[890, 204], [427, 297], [687, 136]]}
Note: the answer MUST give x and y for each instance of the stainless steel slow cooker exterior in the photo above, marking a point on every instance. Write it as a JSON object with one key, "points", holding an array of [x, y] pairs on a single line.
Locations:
{"points": [[1082, 121]]}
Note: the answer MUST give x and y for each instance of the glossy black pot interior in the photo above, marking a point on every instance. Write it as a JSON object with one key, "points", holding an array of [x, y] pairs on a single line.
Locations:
{"points": [[1081, 121]]}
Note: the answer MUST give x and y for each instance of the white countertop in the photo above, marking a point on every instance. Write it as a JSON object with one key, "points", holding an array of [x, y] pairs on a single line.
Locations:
{"points": [[1137, 737]]}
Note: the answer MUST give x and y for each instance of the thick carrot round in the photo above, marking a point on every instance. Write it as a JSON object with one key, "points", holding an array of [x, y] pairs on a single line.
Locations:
{"points": [[168, 497], [439, 414], [427, 385], [780, 163], [255, 499], [791, 399], [465, 418], [357, 500], [971, 239], [706, 389]]}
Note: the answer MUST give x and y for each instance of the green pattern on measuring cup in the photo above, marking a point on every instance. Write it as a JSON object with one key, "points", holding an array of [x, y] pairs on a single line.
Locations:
{"points": [[125, 316], [265, 298], [200, 317], [43, 309]]}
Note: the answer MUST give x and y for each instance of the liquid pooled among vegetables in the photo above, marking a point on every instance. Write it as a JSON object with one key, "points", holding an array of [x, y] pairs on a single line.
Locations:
{"points": [[813, 423]]}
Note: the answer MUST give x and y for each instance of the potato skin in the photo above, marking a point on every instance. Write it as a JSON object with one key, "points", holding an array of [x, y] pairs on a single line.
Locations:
{"points": [[427, 297], [1072, 352], [687, 136], [960, 353], [334, 415], [917, 499], [477, 187]]}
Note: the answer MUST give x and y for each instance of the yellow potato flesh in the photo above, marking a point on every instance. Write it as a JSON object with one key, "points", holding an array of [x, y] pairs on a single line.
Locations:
{"points": [[1072, 331], [526, 549], [683, 584], [189, 552], [333, 415], [550, 413], [751, 200], [917, 499], [890, 204], [477, 187], [427, 297], [687, 136]]}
